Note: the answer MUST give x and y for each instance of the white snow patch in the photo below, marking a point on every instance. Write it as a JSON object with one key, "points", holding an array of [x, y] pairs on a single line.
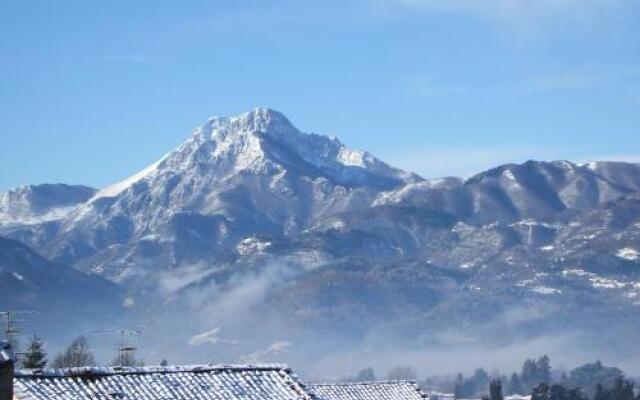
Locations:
{"points": [[606, 283], [396, 196], [596, 281], [546, 290], [577, 272], [351, 157], [509, 175], [119, 187], [628, 253], [593, 165], [338, 224], [252, 245], [525, 282]]}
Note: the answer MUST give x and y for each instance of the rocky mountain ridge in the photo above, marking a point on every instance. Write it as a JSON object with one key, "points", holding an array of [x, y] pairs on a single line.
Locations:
{"points": [[251, 217]]}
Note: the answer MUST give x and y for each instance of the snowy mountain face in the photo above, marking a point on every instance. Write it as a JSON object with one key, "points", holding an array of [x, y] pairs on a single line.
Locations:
{"points": [[233, 178], [251, 224], [49, 291], [514, 192]]}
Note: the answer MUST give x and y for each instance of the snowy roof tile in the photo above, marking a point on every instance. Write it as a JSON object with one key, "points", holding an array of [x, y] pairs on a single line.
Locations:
{"points": [[389, 390], [198, 382]]}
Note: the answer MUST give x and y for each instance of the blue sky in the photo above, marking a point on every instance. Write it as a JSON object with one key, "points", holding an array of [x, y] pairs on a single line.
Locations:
{"points": [[91, 92]]}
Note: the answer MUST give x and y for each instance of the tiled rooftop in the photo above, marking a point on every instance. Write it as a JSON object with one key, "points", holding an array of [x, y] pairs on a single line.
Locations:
{"points": [[391, 390], [200, 382]]}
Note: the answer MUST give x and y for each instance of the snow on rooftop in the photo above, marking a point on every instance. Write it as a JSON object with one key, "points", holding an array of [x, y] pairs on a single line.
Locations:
{"points": [[197, 382], [390, 390]]}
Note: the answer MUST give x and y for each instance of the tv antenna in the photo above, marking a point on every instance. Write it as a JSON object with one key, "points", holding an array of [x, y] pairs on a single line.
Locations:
{"points": [[126, 351], [11, 330]]}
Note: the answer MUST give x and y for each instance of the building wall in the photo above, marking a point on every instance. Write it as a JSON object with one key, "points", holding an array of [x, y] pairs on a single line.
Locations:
{"points": [[6, 381]]}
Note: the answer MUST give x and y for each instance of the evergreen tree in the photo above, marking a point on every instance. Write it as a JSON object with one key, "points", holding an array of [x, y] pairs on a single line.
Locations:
{"points": [[543, 370], [495, 390], [479, 381], [164, 363], [78, 354], [588, 376], [35, 357], [458, 387], [600, 393], [529, 374], [622, 389], [515, 385]]}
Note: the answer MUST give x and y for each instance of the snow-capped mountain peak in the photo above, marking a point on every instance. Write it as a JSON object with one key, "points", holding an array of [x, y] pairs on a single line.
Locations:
{"points": [[234, 177], [256, 120], [264, 142]]}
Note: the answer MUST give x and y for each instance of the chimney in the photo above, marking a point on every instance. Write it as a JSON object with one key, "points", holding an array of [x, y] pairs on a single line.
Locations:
{"points": [[6, 371]]}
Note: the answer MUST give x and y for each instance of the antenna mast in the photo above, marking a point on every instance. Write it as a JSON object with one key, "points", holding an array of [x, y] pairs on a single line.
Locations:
{"points": [[11, 330], [125, 351]]}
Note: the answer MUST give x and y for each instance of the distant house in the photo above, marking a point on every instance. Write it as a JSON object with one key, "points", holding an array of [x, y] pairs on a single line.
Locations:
{"points": [[203, 382], [390, 390]]}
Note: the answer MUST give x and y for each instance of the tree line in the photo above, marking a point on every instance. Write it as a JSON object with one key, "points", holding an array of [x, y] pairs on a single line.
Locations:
{"points": [[537, 378], [77, 354], [535, 372], [619, 389]]}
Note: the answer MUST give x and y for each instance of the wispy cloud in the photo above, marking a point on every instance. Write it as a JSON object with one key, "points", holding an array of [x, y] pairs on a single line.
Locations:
{"points": [[211, 337], [625, 79], [566, 80], [525, 18], [510, 9], [274, 349], [577, 79]]}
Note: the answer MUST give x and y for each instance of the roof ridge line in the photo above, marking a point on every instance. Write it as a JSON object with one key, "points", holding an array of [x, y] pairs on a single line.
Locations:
{"points": [[386, 381], [109, 371]]}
